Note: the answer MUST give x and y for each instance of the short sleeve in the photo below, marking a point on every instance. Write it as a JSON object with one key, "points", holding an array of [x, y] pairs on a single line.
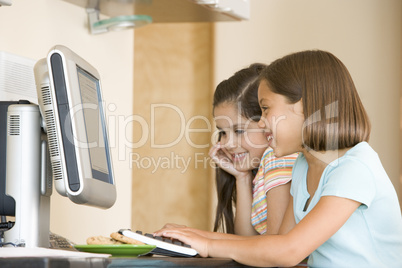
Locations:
{"points": [[352, 179], [278, 171]]}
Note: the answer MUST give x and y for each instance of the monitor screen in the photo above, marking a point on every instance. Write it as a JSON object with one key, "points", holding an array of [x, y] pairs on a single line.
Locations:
{"points": [[95, 124]]}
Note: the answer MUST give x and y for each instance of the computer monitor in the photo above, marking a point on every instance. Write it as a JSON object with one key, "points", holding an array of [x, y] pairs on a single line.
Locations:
{"points": [[70, 101]]}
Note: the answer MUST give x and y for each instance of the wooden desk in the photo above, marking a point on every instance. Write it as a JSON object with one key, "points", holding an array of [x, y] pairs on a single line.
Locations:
{"points": [[41, 262], [118, 262]]}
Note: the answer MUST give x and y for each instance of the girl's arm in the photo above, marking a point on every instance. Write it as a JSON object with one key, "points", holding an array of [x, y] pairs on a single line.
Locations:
{"points": [[326, 218], [277, 177], [242, 222], [277, 204], [244, 179], [288, 222]]}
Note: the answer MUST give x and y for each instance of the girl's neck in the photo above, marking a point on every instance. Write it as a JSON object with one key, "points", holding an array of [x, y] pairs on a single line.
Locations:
{"points": [[317, 162], [321, 159]]}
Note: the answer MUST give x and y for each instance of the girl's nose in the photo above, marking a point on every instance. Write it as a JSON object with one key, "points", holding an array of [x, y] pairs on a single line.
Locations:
{"points": [[261, 123], [230, 142]]}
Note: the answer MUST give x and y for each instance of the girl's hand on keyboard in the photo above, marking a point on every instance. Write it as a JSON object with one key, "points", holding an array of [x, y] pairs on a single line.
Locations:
{"points": [[187, 236], [173, 225], [169, 227], [203, 233]]}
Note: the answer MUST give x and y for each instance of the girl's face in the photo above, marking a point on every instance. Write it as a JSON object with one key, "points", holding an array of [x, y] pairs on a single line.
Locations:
{"points": [[242, 140], [282, 122]]}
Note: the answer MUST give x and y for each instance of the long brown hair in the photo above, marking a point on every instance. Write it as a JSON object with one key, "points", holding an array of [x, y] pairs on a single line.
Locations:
{"points": [[334, 114], [242, 90]]}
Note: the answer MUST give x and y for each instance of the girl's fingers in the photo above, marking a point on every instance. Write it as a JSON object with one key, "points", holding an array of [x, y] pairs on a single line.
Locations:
{"points": [[188, 237], [219, 157], [173, 225], [167, 228], [217, 154], [214, 150]]}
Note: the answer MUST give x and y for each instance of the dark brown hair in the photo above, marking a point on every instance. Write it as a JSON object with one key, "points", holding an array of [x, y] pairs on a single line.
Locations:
{"points": [[334, 114], [242, 90]]}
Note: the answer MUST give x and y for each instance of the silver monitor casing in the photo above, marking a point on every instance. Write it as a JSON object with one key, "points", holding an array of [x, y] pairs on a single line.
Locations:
{"points": [[91, 191], [29, 176]]}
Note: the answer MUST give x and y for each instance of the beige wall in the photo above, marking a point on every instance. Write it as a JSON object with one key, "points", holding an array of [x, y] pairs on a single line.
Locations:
{"points": [[172, 93], [30, 29], [365, 34]]}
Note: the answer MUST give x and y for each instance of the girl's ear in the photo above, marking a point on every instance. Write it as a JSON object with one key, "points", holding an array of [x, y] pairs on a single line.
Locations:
{"points": [[298, 107]]}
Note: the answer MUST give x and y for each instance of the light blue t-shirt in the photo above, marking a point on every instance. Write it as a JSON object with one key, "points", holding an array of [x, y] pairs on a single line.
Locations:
{"points": [[372, 236]]}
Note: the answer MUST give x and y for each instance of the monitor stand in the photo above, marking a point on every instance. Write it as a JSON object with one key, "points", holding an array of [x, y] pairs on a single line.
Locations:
{"points": [[28, 177]]}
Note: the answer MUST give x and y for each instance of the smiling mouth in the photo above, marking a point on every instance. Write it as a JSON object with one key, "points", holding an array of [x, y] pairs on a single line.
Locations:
{"points": [[269, 136], [238, 157]]}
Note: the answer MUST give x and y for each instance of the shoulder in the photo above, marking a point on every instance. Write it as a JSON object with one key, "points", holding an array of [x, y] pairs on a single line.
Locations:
{"points": [[268, 155], [354, 175], [360, 161], [278, 171], [269, 161]]}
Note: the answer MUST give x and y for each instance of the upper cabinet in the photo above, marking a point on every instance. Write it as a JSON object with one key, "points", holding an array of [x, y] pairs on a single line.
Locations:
{"points": [[173, 10]]}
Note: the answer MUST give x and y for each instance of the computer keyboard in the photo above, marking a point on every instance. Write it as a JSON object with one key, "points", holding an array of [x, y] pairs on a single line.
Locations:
{"points": [[59, 242], [164, 246]]}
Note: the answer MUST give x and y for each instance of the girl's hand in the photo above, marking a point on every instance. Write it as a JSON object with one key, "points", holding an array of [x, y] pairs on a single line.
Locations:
{"points": [[173, 225], [170, 226], [187, 236], [219, 157]]}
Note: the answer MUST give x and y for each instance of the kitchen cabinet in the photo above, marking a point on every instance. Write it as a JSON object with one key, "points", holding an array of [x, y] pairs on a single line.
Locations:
{"points": [[174, 10]]}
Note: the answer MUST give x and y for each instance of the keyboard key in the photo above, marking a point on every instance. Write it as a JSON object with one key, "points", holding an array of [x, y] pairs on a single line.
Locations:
{"points": [[177, 242], [149, 235]]}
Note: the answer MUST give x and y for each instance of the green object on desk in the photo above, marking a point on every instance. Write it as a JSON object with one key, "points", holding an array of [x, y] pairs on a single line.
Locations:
{"points": [[124, 250]]}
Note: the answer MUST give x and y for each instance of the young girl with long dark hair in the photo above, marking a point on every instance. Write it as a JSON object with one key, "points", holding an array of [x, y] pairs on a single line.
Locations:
{"points": [[258, 190]]}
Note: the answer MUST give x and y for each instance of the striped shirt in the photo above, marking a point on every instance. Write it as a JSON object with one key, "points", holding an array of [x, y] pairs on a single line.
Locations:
{"points": [[272, 172]]}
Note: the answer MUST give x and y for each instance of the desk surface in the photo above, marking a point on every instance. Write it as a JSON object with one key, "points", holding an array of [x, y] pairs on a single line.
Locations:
{"points": [[44, 262]]}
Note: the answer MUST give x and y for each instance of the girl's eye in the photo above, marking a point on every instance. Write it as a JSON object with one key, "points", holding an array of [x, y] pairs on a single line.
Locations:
{"points": [[239, 131], [220, 135], [264, 108]]}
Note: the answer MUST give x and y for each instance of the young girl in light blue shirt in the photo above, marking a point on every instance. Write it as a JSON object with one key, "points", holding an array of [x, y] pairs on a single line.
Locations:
{"points": [[344, 211]]}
